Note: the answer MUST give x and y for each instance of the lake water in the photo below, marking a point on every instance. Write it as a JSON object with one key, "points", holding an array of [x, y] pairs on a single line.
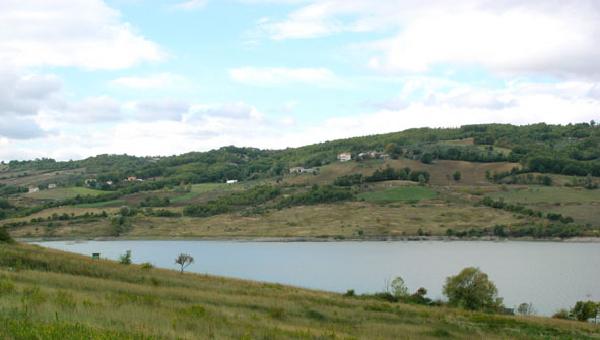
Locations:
{"points": [[551, 275]]}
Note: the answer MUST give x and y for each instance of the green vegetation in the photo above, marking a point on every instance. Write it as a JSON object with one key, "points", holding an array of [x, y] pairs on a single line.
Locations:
{"points": [[471, 289], [50, 294], [63, 193], [186, 195], [405, 193]]}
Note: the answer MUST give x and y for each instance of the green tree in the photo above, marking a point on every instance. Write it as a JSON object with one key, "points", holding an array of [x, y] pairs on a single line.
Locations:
{"points": [[584, 310], [525, 309], [399, 288], [5, 236], [471, 289], [393, 150], [125, 258], [427, 158], [456, 175]]}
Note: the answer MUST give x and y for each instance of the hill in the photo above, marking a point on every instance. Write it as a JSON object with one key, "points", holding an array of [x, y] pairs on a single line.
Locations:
{"points": [[489, 180], [51, 294]]}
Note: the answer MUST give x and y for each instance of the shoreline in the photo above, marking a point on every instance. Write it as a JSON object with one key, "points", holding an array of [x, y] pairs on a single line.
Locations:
{"points": [[313, 239]]}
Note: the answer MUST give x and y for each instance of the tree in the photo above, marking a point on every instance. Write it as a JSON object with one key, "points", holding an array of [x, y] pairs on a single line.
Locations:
{"points": [[5, 236], [125, 258], [456, 175], [584, 310], [393, 150], [427, 158], [471, 289], [399, 288], [525, 309], [184, 260]]}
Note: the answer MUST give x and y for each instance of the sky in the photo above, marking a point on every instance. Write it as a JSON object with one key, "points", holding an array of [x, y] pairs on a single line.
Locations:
{"points": [[161, 77]]}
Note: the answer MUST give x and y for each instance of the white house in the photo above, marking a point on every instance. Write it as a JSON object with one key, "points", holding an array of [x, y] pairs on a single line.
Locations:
{"points": [[344, 157], [302, 170], [231, 181], [33, 189], [52, 186]]}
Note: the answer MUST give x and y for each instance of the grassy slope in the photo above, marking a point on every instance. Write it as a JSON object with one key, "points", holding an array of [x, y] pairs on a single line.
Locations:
{"points": [[50, 294], [441, 171], [407, 193], [332, 220], [62, 193], [581, 204]]}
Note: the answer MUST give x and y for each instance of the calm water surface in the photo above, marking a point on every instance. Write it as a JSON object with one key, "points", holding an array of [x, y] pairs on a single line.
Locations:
{"points": [[551, 275]]}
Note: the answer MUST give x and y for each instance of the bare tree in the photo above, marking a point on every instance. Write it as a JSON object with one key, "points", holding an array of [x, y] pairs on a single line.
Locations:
{"points": [[184, 260]]}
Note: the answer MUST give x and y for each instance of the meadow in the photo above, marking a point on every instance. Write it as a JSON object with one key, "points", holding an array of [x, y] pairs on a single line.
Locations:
{"points": [[55, 295]]}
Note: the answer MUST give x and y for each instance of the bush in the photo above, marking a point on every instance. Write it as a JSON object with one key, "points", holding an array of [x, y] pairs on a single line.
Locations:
{"points": [[562, 314], [348, 180]]}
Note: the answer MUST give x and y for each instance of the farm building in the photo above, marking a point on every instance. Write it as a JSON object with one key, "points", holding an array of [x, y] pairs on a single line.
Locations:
{"points": [[344, 157], [231, 181], [52, 186], [302, 170], [33, 189]]}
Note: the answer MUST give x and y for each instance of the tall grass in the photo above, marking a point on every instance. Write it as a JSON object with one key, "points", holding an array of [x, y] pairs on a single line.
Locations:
{"points": [[48, 294]]}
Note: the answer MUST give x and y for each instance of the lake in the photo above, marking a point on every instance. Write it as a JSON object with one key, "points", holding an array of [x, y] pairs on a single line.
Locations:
{"points": [[551, 275]]}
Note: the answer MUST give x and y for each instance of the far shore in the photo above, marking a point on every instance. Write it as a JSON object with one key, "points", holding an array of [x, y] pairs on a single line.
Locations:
{"points": [[314, 239]]}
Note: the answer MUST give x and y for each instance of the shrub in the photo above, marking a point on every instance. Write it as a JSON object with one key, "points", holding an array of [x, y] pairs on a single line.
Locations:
{"points": [[146, 266], [350, 293], [562, 314]]}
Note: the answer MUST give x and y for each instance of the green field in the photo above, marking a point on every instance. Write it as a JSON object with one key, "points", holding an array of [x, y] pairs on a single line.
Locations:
{"points": [[112, 203], [404, 193], [202, 188], [543, 194], [62, 193], [48, 294]]}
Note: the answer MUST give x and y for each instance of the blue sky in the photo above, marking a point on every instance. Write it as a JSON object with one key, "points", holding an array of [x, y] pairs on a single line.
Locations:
{"points": [[84, 77]]}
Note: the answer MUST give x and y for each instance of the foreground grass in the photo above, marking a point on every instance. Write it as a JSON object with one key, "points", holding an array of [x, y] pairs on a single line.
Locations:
{"points": [[51, 294]]}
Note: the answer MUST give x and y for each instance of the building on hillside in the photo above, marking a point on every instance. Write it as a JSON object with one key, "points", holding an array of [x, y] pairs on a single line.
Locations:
{"points": [[51, 186], [109, 182], [131, 179], [303, 170], [344, 157], [231, 181], [33, 189]]}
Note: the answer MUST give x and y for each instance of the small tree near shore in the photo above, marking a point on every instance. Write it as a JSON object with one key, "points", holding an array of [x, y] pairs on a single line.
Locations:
{"points": [[184, 260]]}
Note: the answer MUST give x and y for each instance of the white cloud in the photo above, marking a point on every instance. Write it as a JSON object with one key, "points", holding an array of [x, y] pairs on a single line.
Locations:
{"points": [[548, 37], [270, 76], [81, 33], [161, 109], [153, 81], [191, 4]]}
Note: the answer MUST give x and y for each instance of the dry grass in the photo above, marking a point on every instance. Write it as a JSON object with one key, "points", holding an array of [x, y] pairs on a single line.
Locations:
{"points": [[343, 220], [50, 294]]}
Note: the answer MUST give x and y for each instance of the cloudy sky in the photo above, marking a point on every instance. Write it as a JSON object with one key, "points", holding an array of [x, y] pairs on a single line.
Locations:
{"points": [[150, 77]]}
